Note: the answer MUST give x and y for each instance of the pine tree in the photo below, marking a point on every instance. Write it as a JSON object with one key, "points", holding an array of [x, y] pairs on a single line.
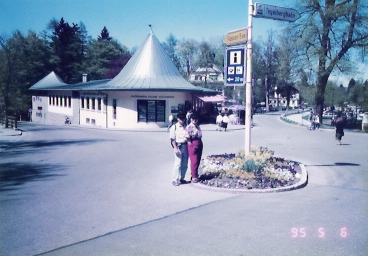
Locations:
{"points": [[104, 35]]}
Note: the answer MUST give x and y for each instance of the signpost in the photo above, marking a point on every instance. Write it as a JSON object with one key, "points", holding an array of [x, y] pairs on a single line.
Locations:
{"points": [[238, 36], [267, 11], [235, 66]]}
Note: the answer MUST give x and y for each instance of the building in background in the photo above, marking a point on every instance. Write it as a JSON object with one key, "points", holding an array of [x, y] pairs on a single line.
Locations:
{"points": [[143, 95]]}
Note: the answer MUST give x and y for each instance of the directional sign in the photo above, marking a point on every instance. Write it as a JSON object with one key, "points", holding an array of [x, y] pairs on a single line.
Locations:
{"points": [[235, 66], [275, 12], [236, 37]]}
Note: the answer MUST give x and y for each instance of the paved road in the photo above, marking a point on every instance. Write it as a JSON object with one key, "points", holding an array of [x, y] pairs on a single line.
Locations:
{"points": [[74, 191]]}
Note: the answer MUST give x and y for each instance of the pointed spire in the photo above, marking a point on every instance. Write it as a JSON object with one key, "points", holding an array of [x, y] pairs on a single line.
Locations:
{"points": [[150, 68]]}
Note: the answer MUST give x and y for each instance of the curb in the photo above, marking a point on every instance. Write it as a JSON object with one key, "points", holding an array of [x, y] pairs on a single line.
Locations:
{"points": [[301, 184]]}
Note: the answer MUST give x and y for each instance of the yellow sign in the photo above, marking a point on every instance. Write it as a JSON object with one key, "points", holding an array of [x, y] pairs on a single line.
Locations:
{"points": [[236, 37]]}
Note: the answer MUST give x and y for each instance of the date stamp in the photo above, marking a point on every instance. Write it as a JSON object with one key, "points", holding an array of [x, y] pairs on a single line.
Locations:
{"points": [[320, 232]]}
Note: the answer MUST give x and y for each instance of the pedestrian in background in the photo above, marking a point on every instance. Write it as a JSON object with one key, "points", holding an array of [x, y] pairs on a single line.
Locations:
{"points": [[193, 134], [316, 122], [339, 130], [179, 143], [225, 122], [219, 122]]}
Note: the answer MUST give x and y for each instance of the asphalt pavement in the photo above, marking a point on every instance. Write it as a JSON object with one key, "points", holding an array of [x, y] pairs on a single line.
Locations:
{"points": [[68, 190]]}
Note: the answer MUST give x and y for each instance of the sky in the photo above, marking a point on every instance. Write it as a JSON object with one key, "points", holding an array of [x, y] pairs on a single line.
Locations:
{"points": [[127, 20]]}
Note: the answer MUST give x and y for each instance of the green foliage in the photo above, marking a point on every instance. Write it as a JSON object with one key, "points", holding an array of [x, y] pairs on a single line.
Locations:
{"points": [[104, 59], [68, 49], [104, 35], [256, 160], [23, 62]]}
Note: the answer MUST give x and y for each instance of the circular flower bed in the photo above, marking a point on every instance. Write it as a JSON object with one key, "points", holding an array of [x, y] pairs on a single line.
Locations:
{"points": [[259, 170]]}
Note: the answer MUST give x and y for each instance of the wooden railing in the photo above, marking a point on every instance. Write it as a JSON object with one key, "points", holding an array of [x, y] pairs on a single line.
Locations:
{"points": [[9, 122]]}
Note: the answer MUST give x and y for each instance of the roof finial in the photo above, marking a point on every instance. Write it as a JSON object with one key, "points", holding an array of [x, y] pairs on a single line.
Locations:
{"points": [[150, 25]]}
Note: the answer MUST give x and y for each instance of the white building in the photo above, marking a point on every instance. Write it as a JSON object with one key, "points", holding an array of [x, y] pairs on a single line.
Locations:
{"points": [[144, 94]]}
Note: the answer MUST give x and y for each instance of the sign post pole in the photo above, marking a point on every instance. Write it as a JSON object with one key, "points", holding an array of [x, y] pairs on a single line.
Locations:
{"points": [[248, 84]]}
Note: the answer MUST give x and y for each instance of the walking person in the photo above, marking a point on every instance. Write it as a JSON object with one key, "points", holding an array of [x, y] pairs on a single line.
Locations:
{"points": [[225, 122], [219, 122], [179, 143], [316, 122], [195, 146], [339, 131]]}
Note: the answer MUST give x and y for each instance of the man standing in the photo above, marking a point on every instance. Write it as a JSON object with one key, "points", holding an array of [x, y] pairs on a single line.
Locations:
{"points": [[179, 143]]}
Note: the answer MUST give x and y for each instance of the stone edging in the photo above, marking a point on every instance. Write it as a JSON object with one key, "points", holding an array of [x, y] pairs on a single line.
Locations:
{"points": [[302, 183]]}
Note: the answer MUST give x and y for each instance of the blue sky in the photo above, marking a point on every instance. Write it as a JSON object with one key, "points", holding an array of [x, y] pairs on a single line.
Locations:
{"points": [[127, 20]]}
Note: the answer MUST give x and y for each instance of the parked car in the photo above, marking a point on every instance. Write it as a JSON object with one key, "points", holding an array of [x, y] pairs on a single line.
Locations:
{"points": [[329, 114]]}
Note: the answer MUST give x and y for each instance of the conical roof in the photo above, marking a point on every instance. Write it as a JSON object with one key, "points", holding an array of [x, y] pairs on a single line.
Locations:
{"points": [[150, 68], [48, 82]]}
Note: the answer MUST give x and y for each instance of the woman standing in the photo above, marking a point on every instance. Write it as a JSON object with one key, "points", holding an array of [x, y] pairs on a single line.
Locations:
{"points": [[195, 145]]}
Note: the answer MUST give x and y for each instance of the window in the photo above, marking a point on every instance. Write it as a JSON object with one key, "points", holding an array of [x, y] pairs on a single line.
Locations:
{"points": [[114, 108], [65, 101], [151, 110], [50, 100], [82, 102], [69, 101], [87, 102], [99, 104], [93, 103]]}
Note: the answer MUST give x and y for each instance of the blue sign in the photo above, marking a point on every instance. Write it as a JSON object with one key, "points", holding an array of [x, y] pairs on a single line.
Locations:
{"points": [[235, 66]]}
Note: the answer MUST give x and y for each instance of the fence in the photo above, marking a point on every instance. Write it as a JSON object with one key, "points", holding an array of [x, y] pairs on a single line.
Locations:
{"points": [[10, 121]]}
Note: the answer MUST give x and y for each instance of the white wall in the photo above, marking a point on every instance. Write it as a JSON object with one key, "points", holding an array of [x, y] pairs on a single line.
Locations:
{"points": [[126, 112], [93, 116]]}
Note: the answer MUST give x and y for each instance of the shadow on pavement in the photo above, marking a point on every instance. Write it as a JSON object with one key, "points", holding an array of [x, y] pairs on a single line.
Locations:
{"points": [[12, 175], [26, 147]]}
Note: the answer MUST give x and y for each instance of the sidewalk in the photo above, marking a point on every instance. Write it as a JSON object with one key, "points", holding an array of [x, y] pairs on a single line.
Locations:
{"points": [[298, 118], [9, 131], [8, 136]]}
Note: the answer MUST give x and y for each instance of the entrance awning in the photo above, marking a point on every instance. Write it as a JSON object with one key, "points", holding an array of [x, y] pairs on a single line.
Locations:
{"points": [[216, 98]]}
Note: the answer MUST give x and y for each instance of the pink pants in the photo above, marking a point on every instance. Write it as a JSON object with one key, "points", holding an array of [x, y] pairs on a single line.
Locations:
{"points": [[195, 155]]}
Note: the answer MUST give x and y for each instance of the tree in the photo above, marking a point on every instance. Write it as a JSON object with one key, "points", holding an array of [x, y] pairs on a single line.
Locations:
{"points": [[104, 58], [104, 35], [327, 32], [68, 47], [286, 56], [23, 62], [170, 48], [187, 50], [7, 66], [351, 84]]}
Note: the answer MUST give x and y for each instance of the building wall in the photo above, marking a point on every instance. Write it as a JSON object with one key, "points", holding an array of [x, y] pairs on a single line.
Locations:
{"points": [[97, 108], [39, 108], [126, 107], [93, 107], [52, 107]]}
